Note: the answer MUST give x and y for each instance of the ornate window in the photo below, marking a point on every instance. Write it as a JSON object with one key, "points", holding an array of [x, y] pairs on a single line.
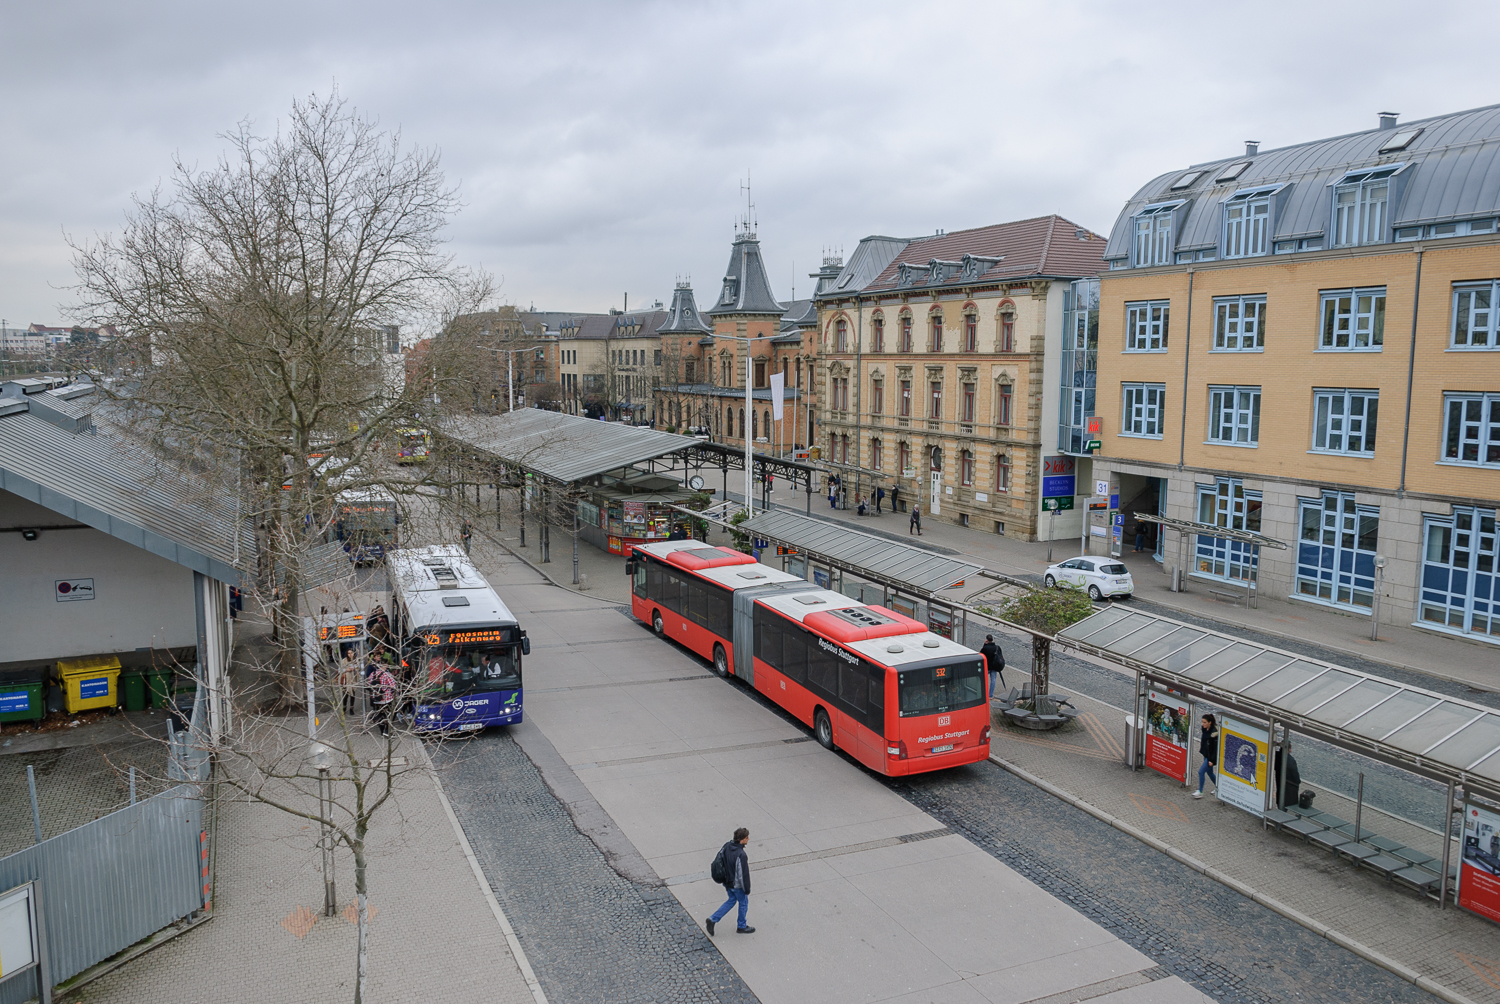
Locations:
{"points": [[877, 332], [841, 335], [906, 399], [935, 339], [877, 397], [935, 389], [905, 344], [965, 467], [1003, 405], [1002, 473], [1005, 340], [971, 332], [967, 409]]}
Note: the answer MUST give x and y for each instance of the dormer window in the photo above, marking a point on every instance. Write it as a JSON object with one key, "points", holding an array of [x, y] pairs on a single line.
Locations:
{"points": [[1360, 207], [729, 290], [907, 274], [1247, 223], [1153, 235]]}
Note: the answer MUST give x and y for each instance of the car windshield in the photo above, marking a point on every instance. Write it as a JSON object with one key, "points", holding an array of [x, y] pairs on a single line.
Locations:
{"points": [[458, 669], [935, 689], [1114, 570]]}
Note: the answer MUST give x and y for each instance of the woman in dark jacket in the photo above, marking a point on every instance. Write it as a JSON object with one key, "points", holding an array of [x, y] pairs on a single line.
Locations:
{"points": [[1208, 749]]}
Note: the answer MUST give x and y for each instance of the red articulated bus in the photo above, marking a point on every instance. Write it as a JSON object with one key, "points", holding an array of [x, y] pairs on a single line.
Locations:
{"points": [[880, 686]]}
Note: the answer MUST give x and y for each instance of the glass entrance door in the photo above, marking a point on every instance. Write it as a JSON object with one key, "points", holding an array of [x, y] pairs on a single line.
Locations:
{"points": [[1336, 551]]}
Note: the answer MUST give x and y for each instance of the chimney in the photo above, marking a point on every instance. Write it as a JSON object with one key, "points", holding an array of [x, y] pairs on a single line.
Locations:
{"points": [[1388, 120], [1252, 147]]}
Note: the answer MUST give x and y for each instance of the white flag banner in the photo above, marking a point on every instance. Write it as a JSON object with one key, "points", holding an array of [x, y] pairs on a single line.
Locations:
{"points": [[778, 391]]}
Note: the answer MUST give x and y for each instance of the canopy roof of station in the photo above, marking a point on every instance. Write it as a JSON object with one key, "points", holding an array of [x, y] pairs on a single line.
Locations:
{"points": [[566, 448], [1188, 526], [913, 569], [1442, 737]]}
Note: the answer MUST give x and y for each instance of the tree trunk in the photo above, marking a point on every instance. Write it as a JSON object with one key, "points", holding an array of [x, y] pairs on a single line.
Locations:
{"points": [[361, 972], [1041, 664]]}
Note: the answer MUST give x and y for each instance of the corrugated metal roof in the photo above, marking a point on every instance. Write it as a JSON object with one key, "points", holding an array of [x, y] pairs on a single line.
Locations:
{"points": [[914, 568], [746, 288], [1446, 736], [113, 484], [565, 448], [869, 259], [1452, 173]]}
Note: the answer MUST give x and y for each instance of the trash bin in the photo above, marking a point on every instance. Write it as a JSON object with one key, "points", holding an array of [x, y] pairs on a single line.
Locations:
{"points": [[160, 681], [133, 689], [90, 682], [21, 695]]}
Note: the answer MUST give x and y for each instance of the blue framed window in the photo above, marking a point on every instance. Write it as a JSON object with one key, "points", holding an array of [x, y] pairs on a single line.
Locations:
{"points": [[1459, 560], [1336, 550], [1227, 504]]}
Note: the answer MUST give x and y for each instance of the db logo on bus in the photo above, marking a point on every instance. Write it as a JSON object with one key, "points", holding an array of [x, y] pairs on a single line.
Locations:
{"points": [[945, 720]]}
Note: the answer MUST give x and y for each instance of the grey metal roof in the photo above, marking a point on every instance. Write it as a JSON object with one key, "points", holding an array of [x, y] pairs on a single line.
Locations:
{"points": [[916, 569], [1445, 737], [869, 259], [682, 316], [1452, 173], [566, 448], [114, 484], [746, 289], [799, 314]]}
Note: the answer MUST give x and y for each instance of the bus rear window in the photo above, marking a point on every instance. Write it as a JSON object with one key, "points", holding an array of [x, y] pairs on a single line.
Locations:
{"points": [[936, 689]]}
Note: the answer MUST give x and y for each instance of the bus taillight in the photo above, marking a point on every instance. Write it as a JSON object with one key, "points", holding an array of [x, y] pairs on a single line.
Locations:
{"points": [[896, 749], [984, 736]]}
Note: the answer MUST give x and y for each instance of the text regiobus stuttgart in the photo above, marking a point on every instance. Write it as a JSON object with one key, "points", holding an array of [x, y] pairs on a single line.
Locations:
{"points": [[877, 685], [458, 637]]}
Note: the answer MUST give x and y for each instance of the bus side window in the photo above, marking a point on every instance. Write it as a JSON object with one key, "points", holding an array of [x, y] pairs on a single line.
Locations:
{"points": [[877, 696], [767, 638], [639, 584], [853, 686], [793, 652], [822, 669]]}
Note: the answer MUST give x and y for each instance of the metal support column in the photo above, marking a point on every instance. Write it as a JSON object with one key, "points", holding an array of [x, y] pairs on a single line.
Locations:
{"points": [[1447, 848]]}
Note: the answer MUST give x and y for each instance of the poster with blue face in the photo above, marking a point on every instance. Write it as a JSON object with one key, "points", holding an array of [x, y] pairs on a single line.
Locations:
{"points": [[1242, 765]]}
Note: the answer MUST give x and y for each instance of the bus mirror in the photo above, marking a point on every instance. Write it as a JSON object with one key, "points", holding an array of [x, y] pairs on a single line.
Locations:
{"points": [[630, 567], [525, 645]]}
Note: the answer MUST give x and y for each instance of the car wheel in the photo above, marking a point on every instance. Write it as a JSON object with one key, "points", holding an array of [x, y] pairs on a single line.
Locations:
{"points": [[1050, 582], [721, 661], [1095, 594], [656, 624], [823, 729]]}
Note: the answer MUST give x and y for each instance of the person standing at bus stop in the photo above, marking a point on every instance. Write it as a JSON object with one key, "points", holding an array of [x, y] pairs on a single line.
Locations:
{"points": [[466, 534], [916, 521], [994, 661], [1208, 748], [736, 865]]}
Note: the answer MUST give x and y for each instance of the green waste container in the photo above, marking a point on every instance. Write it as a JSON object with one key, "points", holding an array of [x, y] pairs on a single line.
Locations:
{"points": [[160, 683], [133, 689], [21, 695]]}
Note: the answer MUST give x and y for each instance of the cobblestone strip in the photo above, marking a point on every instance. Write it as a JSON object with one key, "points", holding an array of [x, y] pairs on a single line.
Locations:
{"points": [[1226, 945], [591, 934]]}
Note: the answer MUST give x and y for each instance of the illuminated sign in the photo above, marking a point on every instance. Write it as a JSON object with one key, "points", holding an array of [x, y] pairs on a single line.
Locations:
{"points": [[342, 631], [940, 672], [500, 634]]}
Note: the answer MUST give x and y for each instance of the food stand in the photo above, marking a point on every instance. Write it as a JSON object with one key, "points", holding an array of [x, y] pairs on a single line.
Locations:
{"points": [[623, 512]]}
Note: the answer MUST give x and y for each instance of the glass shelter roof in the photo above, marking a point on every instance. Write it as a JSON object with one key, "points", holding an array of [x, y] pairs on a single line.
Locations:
{"points": [[1443, 737]]}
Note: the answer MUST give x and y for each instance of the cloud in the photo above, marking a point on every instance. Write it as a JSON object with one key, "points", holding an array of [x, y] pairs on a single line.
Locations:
{"points": [[599, 147]]}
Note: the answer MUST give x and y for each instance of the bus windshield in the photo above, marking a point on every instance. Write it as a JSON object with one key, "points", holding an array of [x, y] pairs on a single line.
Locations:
{"points": [[458, 669], [935, 689]]}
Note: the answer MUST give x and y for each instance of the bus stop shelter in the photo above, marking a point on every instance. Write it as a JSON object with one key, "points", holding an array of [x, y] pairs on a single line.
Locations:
{"points": [[902, 573], [1445, 739]]}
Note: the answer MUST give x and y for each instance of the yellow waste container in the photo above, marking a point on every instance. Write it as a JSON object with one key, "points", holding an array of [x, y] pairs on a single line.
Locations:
{"points": [[90, 682]]}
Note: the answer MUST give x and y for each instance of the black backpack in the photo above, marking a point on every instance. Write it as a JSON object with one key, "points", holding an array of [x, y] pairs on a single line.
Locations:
{"points": [[719, 870]]}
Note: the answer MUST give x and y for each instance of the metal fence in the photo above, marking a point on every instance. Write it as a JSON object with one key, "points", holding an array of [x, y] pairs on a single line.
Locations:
{"points": [[108, 884]]}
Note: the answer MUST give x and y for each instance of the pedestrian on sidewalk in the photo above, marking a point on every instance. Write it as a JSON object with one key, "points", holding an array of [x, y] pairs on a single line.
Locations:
{"points": [[1140, 538], [895, 498], [736, 871], [384, 685], [466, 534], [348, 681], [861, 505], [1208, 749], [994, 661], [916, 521], [879, 498]]}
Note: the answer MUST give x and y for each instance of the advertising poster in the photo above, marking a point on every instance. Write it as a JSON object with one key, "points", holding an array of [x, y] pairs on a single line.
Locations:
{"points": [[635, 512], [1479, 869], [1242, 765], [1167, 724]]}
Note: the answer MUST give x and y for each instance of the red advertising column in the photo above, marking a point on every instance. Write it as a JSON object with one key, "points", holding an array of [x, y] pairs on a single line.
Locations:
{"points": [[1479, 869], [1167, 731]]}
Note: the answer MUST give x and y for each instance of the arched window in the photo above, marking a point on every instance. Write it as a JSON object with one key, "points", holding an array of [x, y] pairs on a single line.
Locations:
{"points": [[905, 345], [877, 455], [971, 332], [1005, 340], [841, 335], [877, 332], [1003, 404], [766, 423], [729, 421], [936, 458], [903, 457], [965, 467], [935, 336], [754, 425], [1002, 473], [742, 423], [844, 448]]}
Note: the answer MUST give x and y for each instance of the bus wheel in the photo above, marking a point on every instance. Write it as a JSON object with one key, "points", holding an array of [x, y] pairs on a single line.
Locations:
{"points": [[721, 661], [656, 624], [823, 729]]}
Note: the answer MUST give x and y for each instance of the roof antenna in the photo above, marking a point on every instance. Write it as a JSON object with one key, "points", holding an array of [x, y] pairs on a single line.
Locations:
{"points": [[794, 278], [750, 221]]}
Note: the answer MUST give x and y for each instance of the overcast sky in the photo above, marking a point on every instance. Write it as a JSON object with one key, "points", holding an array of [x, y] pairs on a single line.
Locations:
{"points": [[599, 148]]}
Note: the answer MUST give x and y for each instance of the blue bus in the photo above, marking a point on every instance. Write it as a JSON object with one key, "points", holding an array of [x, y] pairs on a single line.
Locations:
{"points": [[365, 523], [459, 642]]}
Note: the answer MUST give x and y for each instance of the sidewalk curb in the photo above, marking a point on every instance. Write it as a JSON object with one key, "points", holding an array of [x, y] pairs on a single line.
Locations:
{"points": [[516, 951], [1276, 906]]}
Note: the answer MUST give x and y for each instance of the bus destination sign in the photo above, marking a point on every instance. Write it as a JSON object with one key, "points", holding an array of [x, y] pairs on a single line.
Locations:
{"points": [[472, 636]]}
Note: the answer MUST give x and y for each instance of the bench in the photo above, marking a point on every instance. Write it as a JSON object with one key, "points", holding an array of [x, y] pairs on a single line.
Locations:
{"points": [[1236, 595]]}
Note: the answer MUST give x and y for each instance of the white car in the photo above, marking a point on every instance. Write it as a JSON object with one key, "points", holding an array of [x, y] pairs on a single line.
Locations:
{"points": [[1101, 577]]}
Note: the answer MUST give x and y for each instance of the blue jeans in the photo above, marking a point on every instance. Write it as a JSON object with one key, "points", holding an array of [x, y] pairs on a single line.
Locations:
{"points": [[735, 896], [1207, 767]]}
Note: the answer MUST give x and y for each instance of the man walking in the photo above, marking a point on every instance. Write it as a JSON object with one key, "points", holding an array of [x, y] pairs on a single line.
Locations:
{"points": [[736, 872], [994, 661], [916, 520], [879, 498]]}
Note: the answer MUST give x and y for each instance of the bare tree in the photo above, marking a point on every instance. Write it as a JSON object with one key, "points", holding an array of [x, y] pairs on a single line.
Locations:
{"points": [[259, 300]]}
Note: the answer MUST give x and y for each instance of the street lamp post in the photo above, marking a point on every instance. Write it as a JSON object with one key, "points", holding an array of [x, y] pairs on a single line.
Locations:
{"points": [[320, 756]]}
